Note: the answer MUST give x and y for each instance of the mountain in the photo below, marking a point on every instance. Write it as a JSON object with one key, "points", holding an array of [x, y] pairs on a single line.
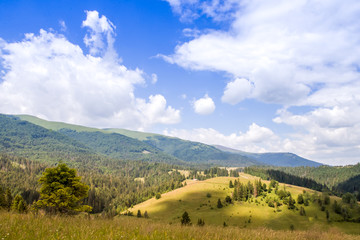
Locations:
{"points": [[150, 146], [274, 159], [25, 138], [122, 143]]}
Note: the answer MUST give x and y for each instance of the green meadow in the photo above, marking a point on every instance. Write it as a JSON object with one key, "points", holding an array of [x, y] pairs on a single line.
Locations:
{"points": [[194, 198]]}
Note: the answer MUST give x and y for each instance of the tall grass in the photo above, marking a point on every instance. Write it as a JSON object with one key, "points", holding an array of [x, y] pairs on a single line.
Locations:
{"points": [[28, 226]]}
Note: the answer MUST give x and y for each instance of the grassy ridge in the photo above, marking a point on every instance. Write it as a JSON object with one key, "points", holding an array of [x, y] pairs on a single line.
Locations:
{"points": [[192, 198], [16, 226]]}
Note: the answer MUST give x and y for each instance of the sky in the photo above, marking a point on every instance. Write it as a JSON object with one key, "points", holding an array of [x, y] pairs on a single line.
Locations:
{"points": [[258, 76]]}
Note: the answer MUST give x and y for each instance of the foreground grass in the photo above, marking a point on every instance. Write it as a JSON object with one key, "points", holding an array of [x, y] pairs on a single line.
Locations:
{"points": [[28, 226]]}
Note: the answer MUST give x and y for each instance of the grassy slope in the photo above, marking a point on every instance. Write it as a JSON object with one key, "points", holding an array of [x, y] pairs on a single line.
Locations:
{"points": [[28, 226], [193, 198]]}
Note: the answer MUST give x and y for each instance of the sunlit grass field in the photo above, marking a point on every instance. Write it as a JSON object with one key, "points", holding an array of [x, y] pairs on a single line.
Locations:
{"points": [[193, 199]]}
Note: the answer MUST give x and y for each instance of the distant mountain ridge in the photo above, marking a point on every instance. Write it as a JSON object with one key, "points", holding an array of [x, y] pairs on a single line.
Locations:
{"points": [[283, 159], [133, 145]]}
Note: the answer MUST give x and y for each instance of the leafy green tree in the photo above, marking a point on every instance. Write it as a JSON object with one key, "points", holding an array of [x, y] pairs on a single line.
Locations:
{"points": [[185, 219], [62, 191], [219, 204]]}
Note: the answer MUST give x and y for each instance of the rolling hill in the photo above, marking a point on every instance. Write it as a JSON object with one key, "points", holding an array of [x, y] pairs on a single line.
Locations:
{"points": [[199, 199]]}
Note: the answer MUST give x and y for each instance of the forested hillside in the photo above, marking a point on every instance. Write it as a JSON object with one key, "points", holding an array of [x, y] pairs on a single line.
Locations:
{"points": [[114, 185], [188, 151], [119, 146]]}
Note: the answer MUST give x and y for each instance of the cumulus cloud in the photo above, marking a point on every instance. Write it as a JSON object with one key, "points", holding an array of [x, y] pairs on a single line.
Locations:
{"points": [[236, 91], [50, 77], [286, 49], [204, 106], [255, 139], [298, 53]]}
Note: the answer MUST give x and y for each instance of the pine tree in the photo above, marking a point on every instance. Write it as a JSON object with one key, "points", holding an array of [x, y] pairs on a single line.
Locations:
{"points": [[8, 199], [231, 184], [200, 222], [139, 214], [18, 204], [219, 204], [2, 198], [146, 215], [185, 219]]}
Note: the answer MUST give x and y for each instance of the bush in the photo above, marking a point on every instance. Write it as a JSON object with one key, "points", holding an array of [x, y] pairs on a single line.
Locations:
{"points": [[158, 196], [208, 195]]}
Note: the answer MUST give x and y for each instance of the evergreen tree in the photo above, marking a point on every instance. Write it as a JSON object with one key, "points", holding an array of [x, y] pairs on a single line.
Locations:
{"points": [[300, 199], [8, 199], [62, 191], [146, 215], [185, 219], [291, 203], [2, 198], [139, 214], [327, 215], [219, 204], [231, 184], [201, 222], [302, 211], [18, 204], [228, 199]]}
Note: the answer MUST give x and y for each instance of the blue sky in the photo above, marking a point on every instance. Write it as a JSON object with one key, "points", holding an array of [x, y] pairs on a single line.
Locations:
{"points": [[252, 75]]}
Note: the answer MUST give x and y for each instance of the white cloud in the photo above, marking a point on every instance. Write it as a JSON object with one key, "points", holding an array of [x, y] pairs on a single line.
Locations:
{"points": [[237, 91], [204, 106], [255, 139], [50, 77], [292, 53], [193, 9], [62, 25], [154, 78], [99, 29], [287, 49]]}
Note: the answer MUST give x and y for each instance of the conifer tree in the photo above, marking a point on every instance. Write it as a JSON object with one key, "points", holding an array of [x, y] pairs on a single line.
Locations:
{"points": [[185, 219], [139, 214], [146, 215], [219, 204], [8, 199]]}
